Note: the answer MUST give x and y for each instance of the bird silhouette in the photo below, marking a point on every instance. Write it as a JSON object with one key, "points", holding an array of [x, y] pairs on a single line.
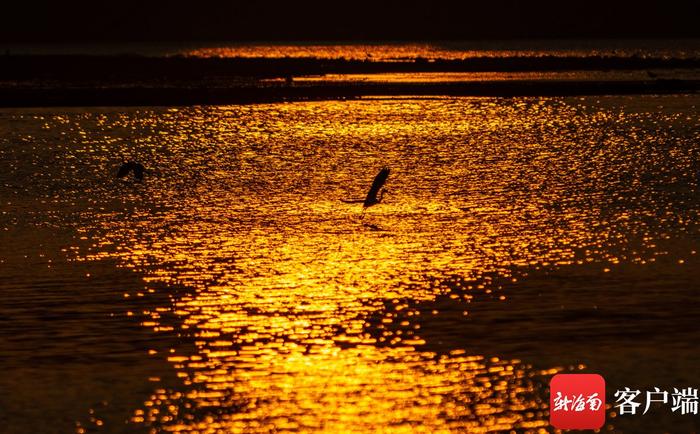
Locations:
{"points": [[377, 185], [374, 190], [131, 166]]}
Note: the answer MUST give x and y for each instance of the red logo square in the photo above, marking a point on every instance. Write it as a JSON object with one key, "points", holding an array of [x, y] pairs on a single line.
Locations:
{"points": [[577, 401]]}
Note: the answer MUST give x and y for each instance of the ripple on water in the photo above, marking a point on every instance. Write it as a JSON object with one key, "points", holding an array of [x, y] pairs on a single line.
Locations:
{"points": [[243, 207]]}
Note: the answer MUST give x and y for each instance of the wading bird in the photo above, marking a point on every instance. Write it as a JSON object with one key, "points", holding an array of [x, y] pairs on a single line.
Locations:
{"points": [[374, 190], [129, 166]]}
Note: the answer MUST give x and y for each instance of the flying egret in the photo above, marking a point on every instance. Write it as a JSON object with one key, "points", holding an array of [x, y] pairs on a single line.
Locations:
{"points": [[127, 167], [374, 190]]}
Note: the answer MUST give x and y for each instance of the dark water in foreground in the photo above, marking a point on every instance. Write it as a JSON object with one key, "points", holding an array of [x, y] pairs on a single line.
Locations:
{"points": [[519, 238]]}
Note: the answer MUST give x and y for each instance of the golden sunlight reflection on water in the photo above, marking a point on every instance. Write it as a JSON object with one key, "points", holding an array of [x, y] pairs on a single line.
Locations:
{"points": [[398, 52], [290, 297]]}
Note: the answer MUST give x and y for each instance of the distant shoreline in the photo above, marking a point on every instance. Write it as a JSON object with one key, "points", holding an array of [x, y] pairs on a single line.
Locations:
{"points": [[81, 80], [184, 96]]}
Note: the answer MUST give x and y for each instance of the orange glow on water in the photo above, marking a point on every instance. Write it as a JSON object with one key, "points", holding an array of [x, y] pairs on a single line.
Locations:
{"points": [[401, 52], [300, 316]]}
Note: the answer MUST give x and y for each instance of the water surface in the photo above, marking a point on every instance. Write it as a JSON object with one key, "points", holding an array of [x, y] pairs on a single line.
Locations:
{"points": [[399, 51], [294, 312]]}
